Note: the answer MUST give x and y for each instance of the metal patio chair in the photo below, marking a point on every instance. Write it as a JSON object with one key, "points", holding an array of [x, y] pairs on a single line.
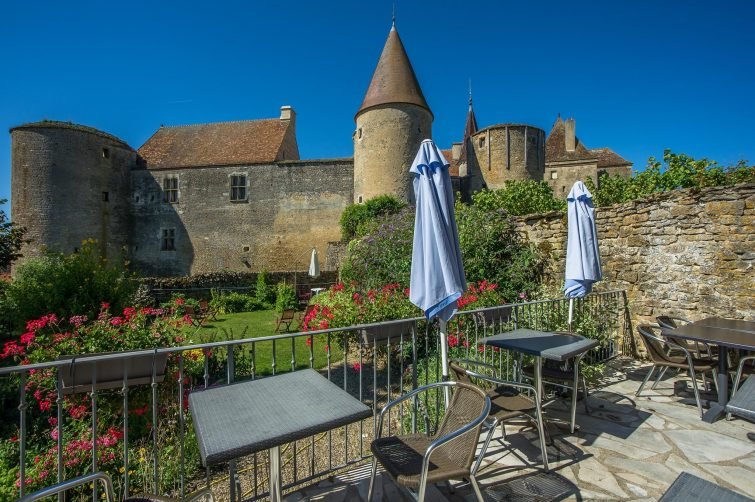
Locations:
{"points": [[742, 402], [507, 402], [670, 322], [92, 478], [414, 460], [657, 346]]}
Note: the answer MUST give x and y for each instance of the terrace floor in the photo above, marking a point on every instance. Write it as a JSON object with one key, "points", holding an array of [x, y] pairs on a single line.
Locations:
{"points": [[627, 448]]}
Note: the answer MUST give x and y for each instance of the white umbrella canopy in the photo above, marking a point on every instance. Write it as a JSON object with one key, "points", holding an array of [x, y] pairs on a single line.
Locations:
{"points": [[314, 264], [582, 253], [437, 276]]}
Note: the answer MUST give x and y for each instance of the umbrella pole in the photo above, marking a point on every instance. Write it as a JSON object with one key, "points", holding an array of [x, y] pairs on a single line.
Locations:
{"points": [[571, 312], [444, 358]]}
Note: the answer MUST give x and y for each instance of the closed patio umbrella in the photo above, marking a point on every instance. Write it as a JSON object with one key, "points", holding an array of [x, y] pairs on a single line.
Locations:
{"points": [[314, 264], [437, 276], [582, 254]]}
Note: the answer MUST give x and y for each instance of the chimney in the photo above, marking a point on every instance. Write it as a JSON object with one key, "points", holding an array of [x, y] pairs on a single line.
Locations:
{"points": [[455, 151], [570, 135], [287, 114]]}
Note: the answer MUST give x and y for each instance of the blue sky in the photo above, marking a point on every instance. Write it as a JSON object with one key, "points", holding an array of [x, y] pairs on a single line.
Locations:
{"points": [[638, 76]]}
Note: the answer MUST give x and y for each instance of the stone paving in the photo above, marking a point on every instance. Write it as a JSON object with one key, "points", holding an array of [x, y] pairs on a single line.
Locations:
{"points": [[627, 448]]}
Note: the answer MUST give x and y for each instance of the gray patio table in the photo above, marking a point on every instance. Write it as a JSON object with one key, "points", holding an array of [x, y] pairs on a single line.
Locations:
{"points": [[542, 344], [727, 333], [247, 417]]}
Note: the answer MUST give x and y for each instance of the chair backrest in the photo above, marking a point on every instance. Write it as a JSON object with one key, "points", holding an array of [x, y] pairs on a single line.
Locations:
{"points": [[204, 304], [654, 343], [190, 310], [460, 374], [667, 321], [288, 315], [467, 404]]}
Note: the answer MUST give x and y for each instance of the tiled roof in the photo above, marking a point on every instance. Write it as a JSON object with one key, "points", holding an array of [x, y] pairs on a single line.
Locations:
{"points": [[453, 167], [609, 158], [394, 80], [555, 147], [217, 144]]}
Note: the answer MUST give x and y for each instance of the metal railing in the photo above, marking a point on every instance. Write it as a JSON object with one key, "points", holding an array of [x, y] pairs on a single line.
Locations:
{"points": [[373, 362]]}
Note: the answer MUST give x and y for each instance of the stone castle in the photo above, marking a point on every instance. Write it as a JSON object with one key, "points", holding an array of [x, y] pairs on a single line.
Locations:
{"points": [[236, 195]]}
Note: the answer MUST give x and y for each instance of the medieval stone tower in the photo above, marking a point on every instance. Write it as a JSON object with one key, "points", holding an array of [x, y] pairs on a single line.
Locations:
{"points": [[71, 183], [391, 123]]}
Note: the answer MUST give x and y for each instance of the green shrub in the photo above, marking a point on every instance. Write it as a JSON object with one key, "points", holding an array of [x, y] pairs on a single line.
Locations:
{"points": [[65, 285], [674, 172], [520, 197], [264, 294], [285, 297], [356, 218], [232, 302]]}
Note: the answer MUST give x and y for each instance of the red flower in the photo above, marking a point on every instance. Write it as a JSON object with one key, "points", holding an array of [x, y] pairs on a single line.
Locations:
{"points": [[323, 324], [356, 366], [78, 411], [104, 306], [338, 287], [116, 321], [308, 341], [11, 349], [45, 405], [452, 341], [129, 312], [187, 319], [180, 301]]}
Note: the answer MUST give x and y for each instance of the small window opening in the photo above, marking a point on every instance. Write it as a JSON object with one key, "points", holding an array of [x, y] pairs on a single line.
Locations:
{"points": [[359, 199], [169, 240], [105, 196], [106, 153], [170, 190], [554, 175], [238, 187], [482, 142], [246, 249]]}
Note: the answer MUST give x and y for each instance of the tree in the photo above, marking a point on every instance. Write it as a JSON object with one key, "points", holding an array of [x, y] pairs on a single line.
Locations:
{"points": [[11, 239]]}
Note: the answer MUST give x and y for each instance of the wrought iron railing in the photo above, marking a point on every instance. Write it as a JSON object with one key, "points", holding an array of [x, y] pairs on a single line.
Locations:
{"points": [[374, 362]]}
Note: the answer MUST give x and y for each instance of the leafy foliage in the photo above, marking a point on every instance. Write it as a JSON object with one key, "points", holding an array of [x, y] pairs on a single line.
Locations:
{"points": [[673, 172], [520, 197], [285, 297], [11, 239], [65, 285], [264, 293], [231, 302], [356, 218], [384, 255], [493, 250]]}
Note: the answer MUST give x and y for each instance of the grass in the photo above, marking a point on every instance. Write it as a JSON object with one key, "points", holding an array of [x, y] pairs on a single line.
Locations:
{"points": [[257, 357]]}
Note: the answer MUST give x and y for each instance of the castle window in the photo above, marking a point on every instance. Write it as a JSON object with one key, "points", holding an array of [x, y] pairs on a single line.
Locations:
{"points": [[238, 187], [482, 142], [106, 153], [105, 196], [554, 175], [169, 240], [170, 190]]}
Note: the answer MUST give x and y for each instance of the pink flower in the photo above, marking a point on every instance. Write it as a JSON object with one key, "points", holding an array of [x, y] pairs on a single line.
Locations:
{"points": [[104, 306], [27, 338], [78, 320], [11, 349], [180, 301], [522, 295], [323, 324], [54, 434], [129, 312], [187, 319], [356, 366], [45, 405], [116, 321], [452, 341]]}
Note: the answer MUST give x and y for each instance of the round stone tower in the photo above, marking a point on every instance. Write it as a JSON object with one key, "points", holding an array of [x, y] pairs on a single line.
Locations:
{"points": [[390, 125], [70, 183]]}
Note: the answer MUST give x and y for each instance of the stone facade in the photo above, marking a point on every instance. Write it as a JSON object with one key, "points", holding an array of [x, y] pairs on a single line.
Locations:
{"points": [[290, 207], [71, 183], [505, 152], [689, 253], [386, 141]]}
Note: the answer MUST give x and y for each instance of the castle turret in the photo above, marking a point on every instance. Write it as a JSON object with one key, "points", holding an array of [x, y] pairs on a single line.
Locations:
{"points": [[70, 183], [390, 125]]}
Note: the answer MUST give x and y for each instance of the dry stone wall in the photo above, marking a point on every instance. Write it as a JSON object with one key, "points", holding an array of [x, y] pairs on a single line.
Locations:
{"points": [[689, 253]]}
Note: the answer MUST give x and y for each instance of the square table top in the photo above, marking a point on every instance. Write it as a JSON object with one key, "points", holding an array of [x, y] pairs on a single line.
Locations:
{"points": [[554, 346], [243, 418], [724, 332]]}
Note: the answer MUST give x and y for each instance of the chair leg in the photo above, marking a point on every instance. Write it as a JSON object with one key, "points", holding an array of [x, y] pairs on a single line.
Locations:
{"points": [[647, 377], [714, 377], [476, 488], [488, 437], [372, 479], [574, 389], [658, 378], [694, 388], [541, 432], [584, 389]]}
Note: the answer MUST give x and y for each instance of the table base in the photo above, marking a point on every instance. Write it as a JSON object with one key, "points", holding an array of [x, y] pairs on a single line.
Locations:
{"points": [[275, 474]]}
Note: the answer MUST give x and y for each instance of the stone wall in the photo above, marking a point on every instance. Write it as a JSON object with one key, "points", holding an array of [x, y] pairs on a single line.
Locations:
{"points": [[290, 207], [70, 183], [506, 152], [386, 141], [688, 252]]}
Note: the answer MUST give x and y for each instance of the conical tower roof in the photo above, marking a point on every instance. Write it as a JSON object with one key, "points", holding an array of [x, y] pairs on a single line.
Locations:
{"points": [[394, 80]]}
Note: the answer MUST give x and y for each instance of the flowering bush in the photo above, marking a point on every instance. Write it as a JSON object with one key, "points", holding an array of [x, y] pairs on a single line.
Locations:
{"points": [[49, 337]]}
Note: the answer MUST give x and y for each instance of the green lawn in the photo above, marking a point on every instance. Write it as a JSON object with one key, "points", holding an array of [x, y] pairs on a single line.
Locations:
{"points": [[257, 357]]}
